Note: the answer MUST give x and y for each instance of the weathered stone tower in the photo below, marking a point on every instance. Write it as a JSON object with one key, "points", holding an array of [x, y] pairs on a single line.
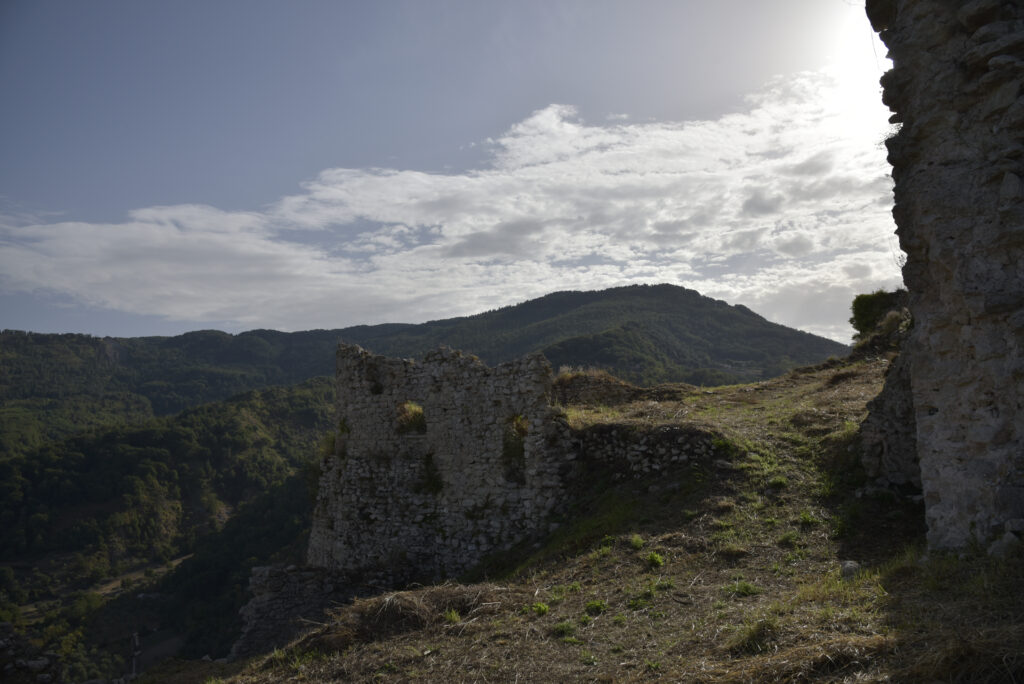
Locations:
{"points": [[958, 161], [436, 464]]}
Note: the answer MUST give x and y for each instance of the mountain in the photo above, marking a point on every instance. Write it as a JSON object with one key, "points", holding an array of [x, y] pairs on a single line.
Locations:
{"points": [[54, 385], [645, 334]]}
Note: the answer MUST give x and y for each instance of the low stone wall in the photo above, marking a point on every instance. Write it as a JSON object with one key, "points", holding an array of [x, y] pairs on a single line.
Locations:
{"points": [[637, 451]]}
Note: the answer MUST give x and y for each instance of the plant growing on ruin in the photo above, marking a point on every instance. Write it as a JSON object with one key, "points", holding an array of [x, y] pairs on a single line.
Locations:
{"points": [[410, 419], [869, 309], [513, 448]]}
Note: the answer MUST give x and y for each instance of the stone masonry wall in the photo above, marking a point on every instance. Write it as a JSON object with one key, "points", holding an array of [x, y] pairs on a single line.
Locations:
{"points": [[403, 502], [958, 161], [416, 504], [641, 452]]}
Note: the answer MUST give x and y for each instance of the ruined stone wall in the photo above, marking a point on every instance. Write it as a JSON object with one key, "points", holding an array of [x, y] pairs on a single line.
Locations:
{"points": [[403, 501], [286, 601], [632, 451], [958, 161]]}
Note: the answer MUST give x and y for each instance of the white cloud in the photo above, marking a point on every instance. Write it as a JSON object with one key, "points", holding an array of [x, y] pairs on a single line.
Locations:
{"points": [[778, 207]]}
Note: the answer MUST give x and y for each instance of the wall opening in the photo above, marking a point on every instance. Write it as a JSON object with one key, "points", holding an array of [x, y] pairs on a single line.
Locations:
{"points": [[513, 449]]}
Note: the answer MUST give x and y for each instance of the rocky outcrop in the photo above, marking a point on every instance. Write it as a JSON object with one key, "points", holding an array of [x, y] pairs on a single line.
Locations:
{"points": [[958, 161]]}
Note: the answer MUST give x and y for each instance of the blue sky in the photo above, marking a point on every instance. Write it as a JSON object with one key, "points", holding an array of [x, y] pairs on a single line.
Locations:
{"points": [[172, 166]]}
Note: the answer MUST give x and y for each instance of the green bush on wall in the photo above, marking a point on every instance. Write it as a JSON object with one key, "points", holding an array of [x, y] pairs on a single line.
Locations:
{"points": [[869, 309]]}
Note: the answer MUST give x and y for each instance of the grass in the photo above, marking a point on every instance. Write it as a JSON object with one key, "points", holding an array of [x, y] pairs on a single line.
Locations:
{"points": [[749, 587], [410, 419]]}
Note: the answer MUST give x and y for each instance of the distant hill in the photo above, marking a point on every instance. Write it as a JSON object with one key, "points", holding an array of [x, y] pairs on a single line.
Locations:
{"points": [[646, 334], [54, 385]]}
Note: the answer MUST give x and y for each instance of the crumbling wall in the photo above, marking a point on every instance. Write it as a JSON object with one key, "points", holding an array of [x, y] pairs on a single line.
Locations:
{"points": [[410, 497], [407, 498], [958, 161], [888, 434], [286, 601]]}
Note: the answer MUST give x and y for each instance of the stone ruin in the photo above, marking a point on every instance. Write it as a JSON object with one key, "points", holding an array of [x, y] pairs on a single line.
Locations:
{"points": [[958, 161], [436, 464]]}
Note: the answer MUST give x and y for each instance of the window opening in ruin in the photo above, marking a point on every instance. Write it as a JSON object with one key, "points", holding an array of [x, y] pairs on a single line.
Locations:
{"points": [[410, 419], [431, 482], [513, 449]]}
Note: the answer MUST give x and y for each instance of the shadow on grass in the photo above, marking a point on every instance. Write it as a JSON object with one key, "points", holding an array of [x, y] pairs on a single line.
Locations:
{"points": [[949, 617]]}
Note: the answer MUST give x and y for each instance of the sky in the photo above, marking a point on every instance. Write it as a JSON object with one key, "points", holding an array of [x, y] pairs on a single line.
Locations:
{"points": [[167, 167]]}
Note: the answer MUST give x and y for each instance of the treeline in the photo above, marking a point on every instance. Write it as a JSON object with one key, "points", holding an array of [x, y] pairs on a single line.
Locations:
{"points": [[52, 386]]}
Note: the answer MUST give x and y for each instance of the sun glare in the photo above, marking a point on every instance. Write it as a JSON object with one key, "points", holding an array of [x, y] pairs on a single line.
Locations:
{"points": [[857, 61]]}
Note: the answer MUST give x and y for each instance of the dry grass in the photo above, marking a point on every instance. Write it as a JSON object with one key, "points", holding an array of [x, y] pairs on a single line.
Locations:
{"points": [[729, 601]]}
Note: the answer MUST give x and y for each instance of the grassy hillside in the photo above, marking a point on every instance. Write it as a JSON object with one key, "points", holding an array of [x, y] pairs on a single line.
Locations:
{"points": [[730, 570]]}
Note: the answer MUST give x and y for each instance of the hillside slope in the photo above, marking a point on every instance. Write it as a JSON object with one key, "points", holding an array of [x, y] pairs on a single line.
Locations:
{"points": [[729, 570], [726, 570]]}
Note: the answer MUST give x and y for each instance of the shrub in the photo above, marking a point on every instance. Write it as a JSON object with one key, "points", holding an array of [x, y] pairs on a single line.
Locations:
{"points": [[540, 608], [564, 629], [410, 419], [595, 608], [788, 539], [636, 541], [753, 637], [807, 519], [655, 559], [869, 310]]}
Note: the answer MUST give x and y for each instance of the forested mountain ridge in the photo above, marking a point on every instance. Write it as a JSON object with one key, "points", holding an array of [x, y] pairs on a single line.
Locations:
{"points": [[642, 333], [53, 385]]}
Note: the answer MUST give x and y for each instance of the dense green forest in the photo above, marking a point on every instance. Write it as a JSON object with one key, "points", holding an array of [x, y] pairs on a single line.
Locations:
{"points": [[229, 482]]}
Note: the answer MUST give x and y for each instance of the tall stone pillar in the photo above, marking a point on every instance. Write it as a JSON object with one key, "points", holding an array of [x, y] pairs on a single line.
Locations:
{"points": [[958, 164]]}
